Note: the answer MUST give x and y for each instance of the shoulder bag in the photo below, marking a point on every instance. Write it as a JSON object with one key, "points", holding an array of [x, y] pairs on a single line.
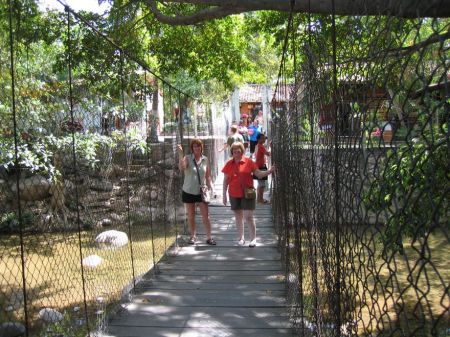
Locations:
{"points": [[204, 191]]}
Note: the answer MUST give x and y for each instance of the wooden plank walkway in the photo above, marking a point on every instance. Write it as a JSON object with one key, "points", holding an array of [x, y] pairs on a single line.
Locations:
{"points": [[202, 290]]}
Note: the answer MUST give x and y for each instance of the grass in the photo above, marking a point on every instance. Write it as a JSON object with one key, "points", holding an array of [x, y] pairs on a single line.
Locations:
{"points": [[54, 277], [386, 296]]}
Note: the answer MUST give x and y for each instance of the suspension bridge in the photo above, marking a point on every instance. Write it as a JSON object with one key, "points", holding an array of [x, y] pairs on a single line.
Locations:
{"points": [[355, 241]]}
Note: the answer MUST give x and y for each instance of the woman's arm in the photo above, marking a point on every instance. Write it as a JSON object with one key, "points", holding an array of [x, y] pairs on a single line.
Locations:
{"points": [[208, 175], [225, 189], [182, 162], [262, 174]]}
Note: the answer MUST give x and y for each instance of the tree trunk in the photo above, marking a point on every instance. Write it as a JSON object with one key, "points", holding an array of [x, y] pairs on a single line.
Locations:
{"points": [[153, 117], [216, 9]]}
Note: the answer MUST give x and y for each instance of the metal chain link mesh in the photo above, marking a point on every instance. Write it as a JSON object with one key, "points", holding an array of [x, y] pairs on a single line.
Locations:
{"points": [[360, 125], [90, 187]]}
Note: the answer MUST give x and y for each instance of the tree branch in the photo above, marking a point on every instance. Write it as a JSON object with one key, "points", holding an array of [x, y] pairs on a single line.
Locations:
{"points": [[201, 16], [222, 8]]}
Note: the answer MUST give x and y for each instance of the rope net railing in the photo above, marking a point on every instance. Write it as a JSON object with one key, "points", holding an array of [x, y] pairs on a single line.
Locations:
{"points": [[360, 121], [90, 188]]}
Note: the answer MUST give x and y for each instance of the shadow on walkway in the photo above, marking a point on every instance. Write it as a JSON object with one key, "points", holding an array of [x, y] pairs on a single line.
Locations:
{"points": [[201, 290]]}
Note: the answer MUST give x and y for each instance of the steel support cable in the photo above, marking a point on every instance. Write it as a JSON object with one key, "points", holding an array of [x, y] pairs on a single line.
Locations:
{"points": [[337, 290], [146, 91], [285, 93], [16, 164], [285, 46], [279, 92], [276, 99], [284, 161], [75, 163], [164, 184], [312, 223], [180, 139], [128, 158], [175, 187], [299, 303]]}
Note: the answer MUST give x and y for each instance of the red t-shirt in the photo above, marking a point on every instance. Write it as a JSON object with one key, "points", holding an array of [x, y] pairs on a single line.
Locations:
{"points": [[237, 183], [261, 153]]}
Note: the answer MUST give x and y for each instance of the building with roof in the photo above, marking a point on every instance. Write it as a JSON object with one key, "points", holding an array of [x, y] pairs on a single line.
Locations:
{"points": [[249, 99]]}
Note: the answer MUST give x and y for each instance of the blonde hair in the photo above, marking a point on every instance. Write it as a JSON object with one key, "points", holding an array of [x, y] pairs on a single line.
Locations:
{"points": [[235, 145]]}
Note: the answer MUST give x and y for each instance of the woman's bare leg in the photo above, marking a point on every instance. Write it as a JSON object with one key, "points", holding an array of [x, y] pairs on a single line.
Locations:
{"points": [[250, 220], [239, 215], [190, 209], [260, 194], [205, 218]]}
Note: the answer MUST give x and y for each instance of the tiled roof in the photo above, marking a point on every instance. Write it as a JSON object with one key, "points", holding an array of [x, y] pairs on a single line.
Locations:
{"points": [[251, 93], [254, 92]]}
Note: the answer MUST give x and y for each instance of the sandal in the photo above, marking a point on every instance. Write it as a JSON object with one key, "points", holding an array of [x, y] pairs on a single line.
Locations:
{"points": [[211, 242], [192, 241]]}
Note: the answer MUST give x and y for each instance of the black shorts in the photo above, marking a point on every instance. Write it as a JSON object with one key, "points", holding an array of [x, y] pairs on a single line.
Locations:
{"points": [[242, 203], [190, 198], [253, 145], [262, 168]]}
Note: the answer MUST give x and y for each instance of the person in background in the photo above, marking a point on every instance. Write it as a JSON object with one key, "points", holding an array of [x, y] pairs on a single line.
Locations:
{"points": [[260, 160], [260, 118], [235, 136], [237, 176], [190, 165], [249, 121], [243, 130], [254, 130]]}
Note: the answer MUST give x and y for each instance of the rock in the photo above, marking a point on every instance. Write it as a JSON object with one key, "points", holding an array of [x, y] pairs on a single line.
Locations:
{"points": [[92, 261], [154, 195], [104, 223], [12, 329], [16, 299], [50, 315], [32, 189], [169, 162], [169, 173], [115, 217], [112, 239], [101, 186]]}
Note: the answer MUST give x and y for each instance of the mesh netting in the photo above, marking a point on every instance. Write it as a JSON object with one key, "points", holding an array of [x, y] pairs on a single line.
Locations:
{"points": [[360, 121], [90, 186]]}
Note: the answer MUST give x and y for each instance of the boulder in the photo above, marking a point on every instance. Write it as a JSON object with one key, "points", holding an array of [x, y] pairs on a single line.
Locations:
{"points": [[12, 329], [111, 239], [49, 315], [92, 261], [101, 186], [103, 223], [32, 189]]}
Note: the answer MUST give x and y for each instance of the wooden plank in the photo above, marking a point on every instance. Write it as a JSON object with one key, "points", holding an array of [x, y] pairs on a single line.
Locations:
{"points": [[202, 290], [164, 285], [178, 317], [194, 332]]}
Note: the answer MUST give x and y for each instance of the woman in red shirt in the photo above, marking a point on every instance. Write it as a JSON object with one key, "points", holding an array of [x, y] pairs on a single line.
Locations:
{"points": [[260, 159], [237, 176]]}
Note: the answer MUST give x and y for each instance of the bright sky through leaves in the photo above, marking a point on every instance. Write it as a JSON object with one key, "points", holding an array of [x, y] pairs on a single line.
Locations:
{"points": [[77, 5]]}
